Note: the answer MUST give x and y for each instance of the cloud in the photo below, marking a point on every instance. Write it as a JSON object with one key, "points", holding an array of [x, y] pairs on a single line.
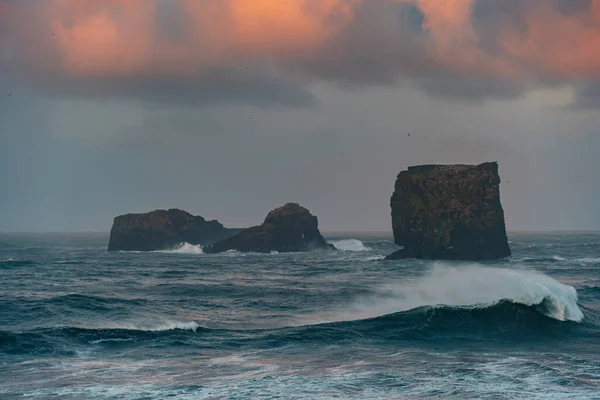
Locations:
{"points": [[271, 51], [587, 96]]}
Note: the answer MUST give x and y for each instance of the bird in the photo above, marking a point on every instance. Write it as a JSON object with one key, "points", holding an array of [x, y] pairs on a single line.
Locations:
{"points": [[409, 134], [9, 93]]}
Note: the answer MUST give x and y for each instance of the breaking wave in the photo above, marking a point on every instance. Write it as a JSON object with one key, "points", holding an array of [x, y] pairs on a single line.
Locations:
{"points": [[162, 327], [471, 287], [185, 248], [350, 245]]}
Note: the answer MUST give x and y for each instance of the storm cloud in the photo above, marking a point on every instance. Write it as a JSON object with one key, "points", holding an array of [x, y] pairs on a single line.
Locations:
{"points": [[269, 51]]}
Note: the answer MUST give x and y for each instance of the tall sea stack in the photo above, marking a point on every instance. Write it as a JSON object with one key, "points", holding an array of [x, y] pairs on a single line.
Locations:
{"points": [[449, 212]]}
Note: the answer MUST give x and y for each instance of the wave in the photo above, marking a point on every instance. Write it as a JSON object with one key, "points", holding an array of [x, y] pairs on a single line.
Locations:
{"points": [[161, 327], [11, 262], [542, 259], [503, 321], [350, 245], [185, 248], [471, 287], [68, 341]]}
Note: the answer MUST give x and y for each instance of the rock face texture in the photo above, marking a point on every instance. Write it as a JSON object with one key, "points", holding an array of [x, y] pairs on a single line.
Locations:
{"points": [[449, 212], [163, 229], [290, 228]]}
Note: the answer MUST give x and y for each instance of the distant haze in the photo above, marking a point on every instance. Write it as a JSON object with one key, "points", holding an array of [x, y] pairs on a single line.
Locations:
{"points": [[230, 108]]}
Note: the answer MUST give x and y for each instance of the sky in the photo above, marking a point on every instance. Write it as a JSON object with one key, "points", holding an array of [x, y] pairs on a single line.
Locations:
{"points": [[230, 108]]}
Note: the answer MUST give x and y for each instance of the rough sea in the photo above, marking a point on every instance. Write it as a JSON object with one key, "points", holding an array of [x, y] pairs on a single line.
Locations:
{"points": [[77, 322]]}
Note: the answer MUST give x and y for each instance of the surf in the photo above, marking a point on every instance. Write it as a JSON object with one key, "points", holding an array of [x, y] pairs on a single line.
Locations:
{"points": [[350, 245], [184, 248]]}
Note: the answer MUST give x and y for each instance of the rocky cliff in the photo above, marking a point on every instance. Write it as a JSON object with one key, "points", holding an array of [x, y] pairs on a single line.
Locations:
{"points": [[449, 212], [289, 228], [163, 229]]}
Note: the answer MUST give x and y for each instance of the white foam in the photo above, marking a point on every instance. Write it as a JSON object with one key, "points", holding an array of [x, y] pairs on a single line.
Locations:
{"points": [[174, 325], [470, 286], [109, 340], [237, 253], [153, 327], [350, 245], [235, 359], [185, 248]]}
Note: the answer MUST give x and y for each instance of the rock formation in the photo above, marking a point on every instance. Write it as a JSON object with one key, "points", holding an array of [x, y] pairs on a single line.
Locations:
{"points": [[289, 228], [449, 212], [163, 229]]}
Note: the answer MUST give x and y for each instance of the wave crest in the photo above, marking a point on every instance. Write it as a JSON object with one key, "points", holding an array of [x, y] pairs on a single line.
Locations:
{"points": [[162, 327], [350, 245], [470, 287]]}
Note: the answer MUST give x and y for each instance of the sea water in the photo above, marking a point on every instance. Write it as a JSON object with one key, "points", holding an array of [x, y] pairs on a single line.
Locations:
{"points": [[78, 322]]}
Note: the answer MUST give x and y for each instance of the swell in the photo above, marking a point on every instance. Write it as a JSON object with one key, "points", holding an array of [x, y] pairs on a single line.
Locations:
{"points": [[28, 313], [592, 292], [67, 303], [13, 263], [68, 341], [502, 322], [85, 301]]}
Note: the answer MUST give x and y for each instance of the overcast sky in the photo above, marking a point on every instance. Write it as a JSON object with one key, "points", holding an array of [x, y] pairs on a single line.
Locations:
{"points": [[229, 108]]}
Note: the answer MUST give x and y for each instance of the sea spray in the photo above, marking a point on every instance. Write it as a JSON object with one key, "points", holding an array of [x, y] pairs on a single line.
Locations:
{"points": [[185, 248], [468, 286], [350, 245]]}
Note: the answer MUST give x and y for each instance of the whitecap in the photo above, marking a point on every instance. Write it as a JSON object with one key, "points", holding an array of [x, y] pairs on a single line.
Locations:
{"points": [[152, 327], [185, 248]]}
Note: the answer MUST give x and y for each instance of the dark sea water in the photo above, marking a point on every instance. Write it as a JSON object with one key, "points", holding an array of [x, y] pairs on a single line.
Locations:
{"points": [[77, 322]]}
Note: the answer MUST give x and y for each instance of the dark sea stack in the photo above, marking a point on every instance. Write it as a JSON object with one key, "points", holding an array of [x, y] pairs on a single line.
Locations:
{"points": [[290, 228], [163, 229], [449, 212]]}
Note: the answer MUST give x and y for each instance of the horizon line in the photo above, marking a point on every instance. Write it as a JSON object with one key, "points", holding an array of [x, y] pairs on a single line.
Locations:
{"points": [[332, 232]]}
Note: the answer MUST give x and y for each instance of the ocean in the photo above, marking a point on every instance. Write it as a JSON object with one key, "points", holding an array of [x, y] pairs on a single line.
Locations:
{"points": [[78, 322]]}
